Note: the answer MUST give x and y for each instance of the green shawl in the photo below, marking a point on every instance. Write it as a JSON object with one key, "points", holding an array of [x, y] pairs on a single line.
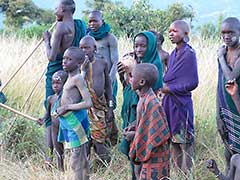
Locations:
{"points": [[101, 32], [151, 56]]}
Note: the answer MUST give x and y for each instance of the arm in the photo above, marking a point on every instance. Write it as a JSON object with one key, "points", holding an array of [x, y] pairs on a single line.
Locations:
{"points": [[212, 166], [52, 51], [47, 113], [113, 45], [189, 76], [108, 93], [232, 89]]}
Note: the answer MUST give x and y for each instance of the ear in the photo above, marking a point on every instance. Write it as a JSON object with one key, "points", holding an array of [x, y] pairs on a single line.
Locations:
{"points": [[142, 82]]}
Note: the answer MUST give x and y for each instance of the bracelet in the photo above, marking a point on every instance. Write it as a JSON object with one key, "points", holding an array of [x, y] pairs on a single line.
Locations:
{"points": [[83, 73], [110, 103], [218, 175]]}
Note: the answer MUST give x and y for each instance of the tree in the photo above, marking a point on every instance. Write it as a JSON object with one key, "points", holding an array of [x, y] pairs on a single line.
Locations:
{"points": [[95, 5], [19, 12], [141, 16]]}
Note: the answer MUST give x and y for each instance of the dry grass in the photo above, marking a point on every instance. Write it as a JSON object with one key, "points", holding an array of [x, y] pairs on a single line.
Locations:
{"points": [[208, 144]]}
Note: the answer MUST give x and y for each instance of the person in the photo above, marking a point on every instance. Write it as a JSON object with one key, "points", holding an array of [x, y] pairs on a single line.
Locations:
{"points": [[150, 146], [228, 71], [58, 80], [234, 168], [107, 46], [180, 79], [164, 55], [68, 33], [129, 110], [145, 49], [99, 85], [74, 129]]}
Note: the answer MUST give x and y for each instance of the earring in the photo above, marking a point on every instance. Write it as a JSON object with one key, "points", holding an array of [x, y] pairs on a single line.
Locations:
{"points": [[186, 39]]}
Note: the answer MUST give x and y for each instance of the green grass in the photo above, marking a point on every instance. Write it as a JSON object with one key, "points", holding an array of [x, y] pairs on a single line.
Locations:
{"points": [[13, 51]]}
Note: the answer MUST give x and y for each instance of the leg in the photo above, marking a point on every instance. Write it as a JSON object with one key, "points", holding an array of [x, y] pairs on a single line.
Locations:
{"points": [[114, 133], [227, 155], [188, 153], [79, 162], [49, 143], [59, 150], [177, 156], [137, 171], [102, 152]]}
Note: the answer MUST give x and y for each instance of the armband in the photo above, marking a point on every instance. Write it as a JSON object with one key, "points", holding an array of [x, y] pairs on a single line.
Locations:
{"points": [[110, 104]]}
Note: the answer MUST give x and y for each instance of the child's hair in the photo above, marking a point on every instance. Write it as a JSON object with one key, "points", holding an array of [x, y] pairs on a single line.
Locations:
{"points": [[60, 74], [233, 21], [149, 73], [68, 5], [77, 53]]}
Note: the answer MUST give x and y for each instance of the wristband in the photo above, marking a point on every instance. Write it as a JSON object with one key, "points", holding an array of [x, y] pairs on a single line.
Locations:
{"points": [[110, 104], [83, 73], [218, 175]]}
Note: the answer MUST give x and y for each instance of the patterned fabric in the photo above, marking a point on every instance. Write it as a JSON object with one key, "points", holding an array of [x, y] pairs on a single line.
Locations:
{"points": [[150, 146], [232, 123], [74, 129], [97, 115], [56, 65]]}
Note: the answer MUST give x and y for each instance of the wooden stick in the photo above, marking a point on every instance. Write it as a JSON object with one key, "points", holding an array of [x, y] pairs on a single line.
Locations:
{"points": [[18, 69], [18, 112]]}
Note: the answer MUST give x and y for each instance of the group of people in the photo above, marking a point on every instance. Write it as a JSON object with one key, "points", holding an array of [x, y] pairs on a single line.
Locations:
{"points": [[157, 110]]}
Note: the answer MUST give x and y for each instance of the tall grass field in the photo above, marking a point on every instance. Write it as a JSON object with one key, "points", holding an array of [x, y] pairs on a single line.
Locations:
{"points": [[22, 141]]}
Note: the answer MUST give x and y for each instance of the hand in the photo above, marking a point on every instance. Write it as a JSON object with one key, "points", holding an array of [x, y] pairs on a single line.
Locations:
{"points": [[61, 110], [46, 36], [120, 68], [165, 89], [129, 135], [232, 87], [212, 166], [221, 51], [85, 65], [40, 121], [110, 115]]}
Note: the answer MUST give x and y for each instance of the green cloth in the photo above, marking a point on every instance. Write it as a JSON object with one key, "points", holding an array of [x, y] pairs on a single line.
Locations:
{"points": [[101, 32], [128, 114], [152, 56]]}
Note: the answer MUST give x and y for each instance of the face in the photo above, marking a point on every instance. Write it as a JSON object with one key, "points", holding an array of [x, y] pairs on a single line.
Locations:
{"points": [[57, 84], [87, 47], [59, 12], [176, 34], [135, 80], [70, 63], [140, 46], [230, 34], [94, 22]]}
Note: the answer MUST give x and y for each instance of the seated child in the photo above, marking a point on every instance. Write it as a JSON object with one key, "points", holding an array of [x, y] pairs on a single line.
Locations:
{"points": [[58, 80], [150, 146]]}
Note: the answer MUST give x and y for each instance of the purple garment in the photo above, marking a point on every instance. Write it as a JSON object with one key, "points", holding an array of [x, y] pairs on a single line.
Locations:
{"points": [[181, 78]]}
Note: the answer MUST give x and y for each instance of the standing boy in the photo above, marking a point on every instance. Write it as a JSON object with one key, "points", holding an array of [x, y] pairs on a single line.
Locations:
{"points": [[99, 85], [150, 146], [107, 46], [229, 71], [58, 80], [74, 130]]}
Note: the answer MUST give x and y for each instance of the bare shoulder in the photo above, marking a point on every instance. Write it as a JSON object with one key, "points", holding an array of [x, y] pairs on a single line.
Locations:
{"points": [[78, 80], [60, 27], [51, 99], [111, 38]]}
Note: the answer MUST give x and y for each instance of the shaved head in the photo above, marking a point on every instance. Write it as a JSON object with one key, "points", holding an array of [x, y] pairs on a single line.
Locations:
{"points": [[89, 40], [68, 5], [96, 13], [232, 21], [183, 25], [76, 53], [149, 73]]}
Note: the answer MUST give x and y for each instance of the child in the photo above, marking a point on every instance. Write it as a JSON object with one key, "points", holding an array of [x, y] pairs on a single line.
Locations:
{"points": [[129, 106], [180, 79], [99, 85], [74, 130], [58, 80], [150, 146], [229, 70]]}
